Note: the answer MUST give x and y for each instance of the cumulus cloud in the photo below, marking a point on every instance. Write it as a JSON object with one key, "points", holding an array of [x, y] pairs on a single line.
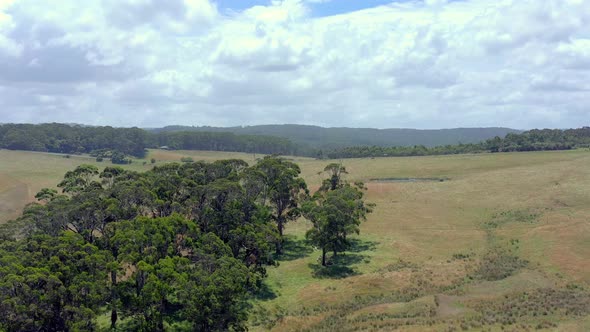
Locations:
{"points": [[423, 64]]}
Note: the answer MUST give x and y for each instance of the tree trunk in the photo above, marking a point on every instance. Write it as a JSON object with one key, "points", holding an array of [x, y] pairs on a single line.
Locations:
{"points": [[113, 300], [279, 246], [161, 317], [280, 226], [114, 318], [323, 256], [279, 243]]}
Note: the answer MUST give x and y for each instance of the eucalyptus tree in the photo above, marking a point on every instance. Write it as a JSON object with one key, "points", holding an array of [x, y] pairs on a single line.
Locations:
{"points": [[336, 210], [79, 179], [282, 190]]}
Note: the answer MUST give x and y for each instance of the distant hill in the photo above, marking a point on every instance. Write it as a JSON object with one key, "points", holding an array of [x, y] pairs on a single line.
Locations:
{"points": [[331, 138]]}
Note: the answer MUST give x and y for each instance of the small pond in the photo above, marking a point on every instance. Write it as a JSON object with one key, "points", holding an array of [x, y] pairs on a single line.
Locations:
{"points": [[385, 180]]}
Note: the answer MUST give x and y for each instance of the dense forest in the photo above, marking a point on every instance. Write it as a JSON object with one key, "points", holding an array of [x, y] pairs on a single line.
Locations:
{"points": [[181, 247], [334, 138], [73, 139], [226, 142], [117, 143]]}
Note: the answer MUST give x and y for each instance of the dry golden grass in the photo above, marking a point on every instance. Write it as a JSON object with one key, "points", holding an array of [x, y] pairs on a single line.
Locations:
{"points": [[24, 173], [427, 222], [12, 194]]}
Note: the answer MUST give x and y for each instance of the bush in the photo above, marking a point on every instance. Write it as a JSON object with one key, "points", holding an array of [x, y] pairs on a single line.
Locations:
{"points": [[120, 158], [499, 263]]}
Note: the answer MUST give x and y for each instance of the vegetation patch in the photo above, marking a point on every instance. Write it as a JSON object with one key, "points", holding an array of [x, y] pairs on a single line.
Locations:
{"points": [[541, 302], [498, 263], [399, 265], [524, 216], [464, 256]]}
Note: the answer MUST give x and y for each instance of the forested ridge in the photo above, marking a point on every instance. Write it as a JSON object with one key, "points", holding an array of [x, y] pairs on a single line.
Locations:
{"points": [[533, 140], [122, 142], [179, 247], [321, 138]]}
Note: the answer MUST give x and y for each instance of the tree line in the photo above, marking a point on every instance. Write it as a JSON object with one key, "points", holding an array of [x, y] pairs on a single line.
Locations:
{"points": [[181, 246], [533, 140]]}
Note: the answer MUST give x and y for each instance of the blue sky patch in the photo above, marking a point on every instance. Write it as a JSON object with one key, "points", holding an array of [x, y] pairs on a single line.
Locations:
{"points": [[329, 8]]}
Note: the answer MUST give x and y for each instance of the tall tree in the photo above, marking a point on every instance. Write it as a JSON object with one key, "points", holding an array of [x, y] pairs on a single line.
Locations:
{"points": [[282, 190], [335, 211], [336, 172], [79, 179]]}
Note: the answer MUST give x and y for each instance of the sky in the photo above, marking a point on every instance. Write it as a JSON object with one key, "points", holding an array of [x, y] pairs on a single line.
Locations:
{"points": [[356, 63]]}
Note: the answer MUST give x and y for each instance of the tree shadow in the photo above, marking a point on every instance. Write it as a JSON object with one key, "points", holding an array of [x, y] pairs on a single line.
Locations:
{"points": [[265, 293], [294, 248], [358, 245], [332, 271], [342, 265]]}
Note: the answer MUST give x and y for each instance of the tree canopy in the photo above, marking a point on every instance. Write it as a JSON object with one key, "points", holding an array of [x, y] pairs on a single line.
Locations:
{"points": [[183, 245], [336, 211], [179, 243]]}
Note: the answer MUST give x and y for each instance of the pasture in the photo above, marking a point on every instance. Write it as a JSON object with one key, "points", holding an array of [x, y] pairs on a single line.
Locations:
{"points": [[502, 243]]}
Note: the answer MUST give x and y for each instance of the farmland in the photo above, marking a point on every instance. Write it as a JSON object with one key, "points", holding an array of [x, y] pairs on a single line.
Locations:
{"points": [[502, 240]]}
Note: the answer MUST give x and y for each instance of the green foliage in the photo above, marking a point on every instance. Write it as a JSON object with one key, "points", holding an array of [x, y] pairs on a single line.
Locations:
{"points": [[58, 282], [71, 139], [119, 158], [336, 211], [318, 142], [277, 183], [179, 244], [108, 142], [78, 179], [311, 140], [218, 141], [46, 194]]}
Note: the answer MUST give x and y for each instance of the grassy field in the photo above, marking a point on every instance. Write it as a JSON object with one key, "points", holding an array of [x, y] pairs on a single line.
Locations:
{"points": [[504, 238]]}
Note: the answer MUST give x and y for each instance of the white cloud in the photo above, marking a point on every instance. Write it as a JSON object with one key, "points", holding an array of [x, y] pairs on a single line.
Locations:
{"points": [[426, 64], [8, 46]]}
